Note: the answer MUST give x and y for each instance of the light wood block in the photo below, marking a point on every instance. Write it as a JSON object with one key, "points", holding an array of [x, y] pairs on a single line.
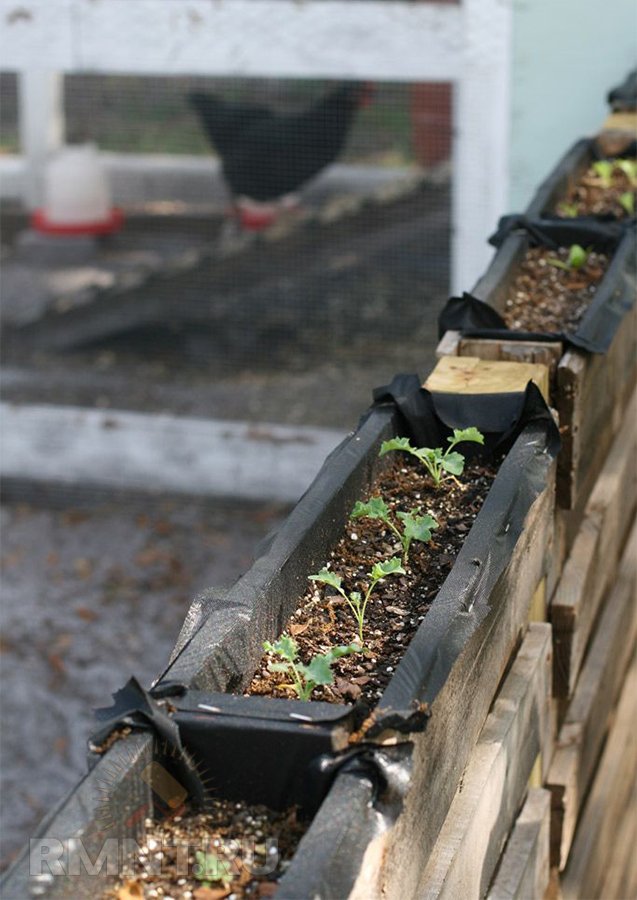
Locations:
{"points": [[495, 780], [471, 375], [523, 873]]}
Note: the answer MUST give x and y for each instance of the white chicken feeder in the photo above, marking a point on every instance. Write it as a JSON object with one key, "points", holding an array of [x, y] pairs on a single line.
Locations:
{"points": [[77, 196]]}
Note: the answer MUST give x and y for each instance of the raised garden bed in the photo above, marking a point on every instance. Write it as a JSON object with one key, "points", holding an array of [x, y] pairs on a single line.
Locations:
{"points": [[591, 355]]}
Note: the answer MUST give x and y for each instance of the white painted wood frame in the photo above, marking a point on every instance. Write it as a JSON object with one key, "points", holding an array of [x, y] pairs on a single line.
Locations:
{"points": [[467, 44]]}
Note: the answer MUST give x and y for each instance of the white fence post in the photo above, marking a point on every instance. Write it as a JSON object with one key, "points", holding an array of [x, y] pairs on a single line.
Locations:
{"points": [[41, 116], [481, 113]]}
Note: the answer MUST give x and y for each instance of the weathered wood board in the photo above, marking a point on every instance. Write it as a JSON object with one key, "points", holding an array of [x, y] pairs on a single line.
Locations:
{"points": [[472, 375], [591, 565], [495, 780], [546, 354], [611, 798], [523, 873], [459, 711], [584, 728]]}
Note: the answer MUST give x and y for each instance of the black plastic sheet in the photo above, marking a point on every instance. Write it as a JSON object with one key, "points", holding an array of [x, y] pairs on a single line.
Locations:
{"points": [[614, 297], [624, 96]]}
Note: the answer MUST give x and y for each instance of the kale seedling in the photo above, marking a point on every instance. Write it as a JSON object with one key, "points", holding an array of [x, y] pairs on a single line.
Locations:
{"points": [[211, 869], [577, 258], [569, 210], [415, 527], [603, 168], [437, 461], [305, 678], [629, 168], [356, 601], [627, 201]]}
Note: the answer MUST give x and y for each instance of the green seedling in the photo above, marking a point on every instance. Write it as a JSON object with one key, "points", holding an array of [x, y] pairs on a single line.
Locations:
{"points": [[211, 869], [356, 601], [440, 464], [577, 258], [629, 168], [568, 210], [603, 168], [305, 678], [415, 527], [627, 201]]}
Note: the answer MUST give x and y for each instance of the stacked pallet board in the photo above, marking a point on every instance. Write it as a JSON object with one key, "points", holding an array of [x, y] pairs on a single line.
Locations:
{"points": [[576, 833], [497, 759]]}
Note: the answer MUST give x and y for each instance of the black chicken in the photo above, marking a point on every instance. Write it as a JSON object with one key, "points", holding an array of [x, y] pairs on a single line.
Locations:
{"points": [[266, 155]]}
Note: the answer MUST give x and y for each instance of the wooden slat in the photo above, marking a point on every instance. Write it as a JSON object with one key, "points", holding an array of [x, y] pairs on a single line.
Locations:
{"points": [[470, 375], [590, 567], [611, 797], [546, 354], [622, 121], [459, 711], [495, 780], [621, 872], [523, 873], [584, 728]]}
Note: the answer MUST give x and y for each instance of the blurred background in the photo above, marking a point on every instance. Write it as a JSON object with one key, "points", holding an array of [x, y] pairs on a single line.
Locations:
{"points": [[171, 384]]}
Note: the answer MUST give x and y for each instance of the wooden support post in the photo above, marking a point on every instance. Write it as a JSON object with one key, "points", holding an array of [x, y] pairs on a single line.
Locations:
{"points": [[496, 777], [591, 566]]}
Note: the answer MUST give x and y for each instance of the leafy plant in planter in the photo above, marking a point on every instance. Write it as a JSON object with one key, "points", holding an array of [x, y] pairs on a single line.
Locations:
{"points": [[415, 527], [212, 869], [603, 169], [355, 600], [577, 259], [305, 678], [441, 464], [627, 201]]}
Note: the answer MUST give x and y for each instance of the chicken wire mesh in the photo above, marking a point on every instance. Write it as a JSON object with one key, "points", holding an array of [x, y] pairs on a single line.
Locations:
{"points": [[344, 283]]}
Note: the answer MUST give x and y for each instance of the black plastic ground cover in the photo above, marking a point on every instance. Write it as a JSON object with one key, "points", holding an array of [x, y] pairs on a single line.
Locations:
{"points": [[568, 171], [623, 98], [475, 315]]}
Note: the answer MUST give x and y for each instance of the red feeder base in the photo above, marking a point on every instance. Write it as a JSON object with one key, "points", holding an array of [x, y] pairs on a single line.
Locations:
{"points": [[113, 223]]}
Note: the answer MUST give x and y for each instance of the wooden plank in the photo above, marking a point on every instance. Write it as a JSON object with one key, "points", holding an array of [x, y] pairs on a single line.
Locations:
{"points": [[612, 796], [461, 707], [150, 452], [621, 873], [448, 344], [584, 728], [591, 565], [523, 873], [593, 391], [470, 375], [495, 780], [546, 354], [622, 121]]}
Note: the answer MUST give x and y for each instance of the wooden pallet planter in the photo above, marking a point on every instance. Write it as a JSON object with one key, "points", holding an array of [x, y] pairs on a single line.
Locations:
{"points": [[523, 871], [495, 780], [584, 728], [591, 565], [608, 817]]}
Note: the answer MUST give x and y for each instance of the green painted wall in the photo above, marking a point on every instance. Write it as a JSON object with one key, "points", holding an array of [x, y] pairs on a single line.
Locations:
{"points": [[566, 55]]}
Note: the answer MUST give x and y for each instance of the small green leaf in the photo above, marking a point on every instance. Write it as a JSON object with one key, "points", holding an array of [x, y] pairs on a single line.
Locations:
{"points": [[577, 257], [376, 508], [279, 667], [211, 867], [629, 168], [627, 201], [286, 647], [319, 670], [467, 434], [603, 168], [418, 528], [568, 210], [327, 577], [392, 566], [398, 443], [453, 463], [355, 597]]}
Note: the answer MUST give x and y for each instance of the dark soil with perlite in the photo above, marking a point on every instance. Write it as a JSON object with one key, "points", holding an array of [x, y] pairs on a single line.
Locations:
{"points": [[399, 603], [597, 195], [547, 298]]}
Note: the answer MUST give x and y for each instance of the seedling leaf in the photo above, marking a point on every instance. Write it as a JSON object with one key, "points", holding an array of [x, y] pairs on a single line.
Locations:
{"points": [[376, 508], [417, 528], [327, 577], [398, 443], [286, 647], [627, 201], [392, 566], [466, 434], [453, 463]]}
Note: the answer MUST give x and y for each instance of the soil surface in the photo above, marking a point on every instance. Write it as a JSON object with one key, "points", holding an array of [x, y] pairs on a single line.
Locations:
{"points": [[547, 298], [245, 850], [591, 197], [399, 603]]}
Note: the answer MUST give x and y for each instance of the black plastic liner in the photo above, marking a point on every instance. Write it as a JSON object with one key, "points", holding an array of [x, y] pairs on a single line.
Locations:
{"points": [[473, 315], [624, 96], [568, 171]]}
